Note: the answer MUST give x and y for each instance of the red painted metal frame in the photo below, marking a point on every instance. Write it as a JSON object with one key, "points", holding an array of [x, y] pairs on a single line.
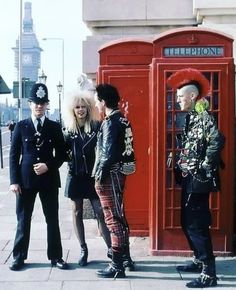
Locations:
{"points": [[170, 240]]}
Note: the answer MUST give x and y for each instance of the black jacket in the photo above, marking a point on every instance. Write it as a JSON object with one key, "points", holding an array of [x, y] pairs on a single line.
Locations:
{"points": [[199, 159], [114, 146], [28, 148], [81, 149]]}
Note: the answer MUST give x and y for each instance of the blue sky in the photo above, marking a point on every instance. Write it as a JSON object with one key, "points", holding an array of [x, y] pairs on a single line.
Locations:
{"points": [[52, 19]]}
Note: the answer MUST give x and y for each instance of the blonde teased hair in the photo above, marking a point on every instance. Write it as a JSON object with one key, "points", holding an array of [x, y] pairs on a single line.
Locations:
{"points": [[70, 120]]}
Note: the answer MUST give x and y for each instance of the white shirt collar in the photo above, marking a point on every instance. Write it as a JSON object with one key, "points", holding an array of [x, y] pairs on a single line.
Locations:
{"points": [[35, 122]]}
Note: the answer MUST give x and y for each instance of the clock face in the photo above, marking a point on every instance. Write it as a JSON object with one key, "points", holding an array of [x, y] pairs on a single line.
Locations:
{"points": [[27, 58]]}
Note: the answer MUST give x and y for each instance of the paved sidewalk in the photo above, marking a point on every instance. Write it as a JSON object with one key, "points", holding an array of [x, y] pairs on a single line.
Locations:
{"points": [[152, 272]]}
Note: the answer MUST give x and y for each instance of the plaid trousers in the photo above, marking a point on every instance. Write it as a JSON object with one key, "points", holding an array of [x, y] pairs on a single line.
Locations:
{"points": [[111, 197]]}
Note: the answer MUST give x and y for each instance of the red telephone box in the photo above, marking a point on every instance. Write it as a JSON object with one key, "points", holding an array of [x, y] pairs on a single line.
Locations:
{"points": [[139, 69], [211, 53], [125, 64]]}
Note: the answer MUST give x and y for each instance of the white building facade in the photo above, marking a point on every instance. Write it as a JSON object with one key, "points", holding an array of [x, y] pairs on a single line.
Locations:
{"points": [[111, 20]]}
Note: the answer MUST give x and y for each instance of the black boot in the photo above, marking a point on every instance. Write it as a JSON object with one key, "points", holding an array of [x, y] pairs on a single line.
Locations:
{"points": [[194, 267], [109, 253], [115, 269], [127, 261], [83, 256], [207, 278]]}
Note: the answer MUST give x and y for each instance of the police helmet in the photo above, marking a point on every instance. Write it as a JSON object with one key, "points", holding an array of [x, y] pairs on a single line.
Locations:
{"points": [[39, 94]]}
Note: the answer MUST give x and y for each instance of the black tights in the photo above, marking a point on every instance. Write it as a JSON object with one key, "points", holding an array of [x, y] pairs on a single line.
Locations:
{"points": [[77, 215]]}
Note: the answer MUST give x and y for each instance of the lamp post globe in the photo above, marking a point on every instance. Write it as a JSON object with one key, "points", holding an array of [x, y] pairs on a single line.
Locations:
{"points": [[42, 78]]}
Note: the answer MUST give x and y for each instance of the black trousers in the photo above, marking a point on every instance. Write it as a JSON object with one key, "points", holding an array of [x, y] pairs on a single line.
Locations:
{"points": [[195, 222], [24, 208]]}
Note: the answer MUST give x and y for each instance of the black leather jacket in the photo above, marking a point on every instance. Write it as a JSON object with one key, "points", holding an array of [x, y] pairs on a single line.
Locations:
{"points": [[114, 146], [81, 150]]}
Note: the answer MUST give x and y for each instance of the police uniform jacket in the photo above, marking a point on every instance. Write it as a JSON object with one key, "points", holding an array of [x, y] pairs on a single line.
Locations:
{"points": [[29, 147]]}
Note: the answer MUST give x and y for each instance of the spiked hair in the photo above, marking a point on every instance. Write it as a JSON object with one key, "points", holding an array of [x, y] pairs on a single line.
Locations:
{"points": [[190, 76]]}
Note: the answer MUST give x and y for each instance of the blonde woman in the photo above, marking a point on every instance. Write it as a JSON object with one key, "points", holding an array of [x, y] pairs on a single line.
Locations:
{"points": [[81, 129]]}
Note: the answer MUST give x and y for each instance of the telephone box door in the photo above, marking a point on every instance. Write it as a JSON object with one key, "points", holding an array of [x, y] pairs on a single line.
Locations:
{"points": [[125, 64], [167, 237]]}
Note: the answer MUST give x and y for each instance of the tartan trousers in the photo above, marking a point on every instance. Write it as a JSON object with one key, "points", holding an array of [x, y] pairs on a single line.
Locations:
{"points": [[111, 197]]}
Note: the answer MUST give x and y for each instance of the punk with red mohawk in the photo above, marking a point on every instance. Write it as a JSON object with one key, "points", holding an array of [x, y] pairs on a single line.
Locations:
{"points": [[190, 76], [197, 164]]}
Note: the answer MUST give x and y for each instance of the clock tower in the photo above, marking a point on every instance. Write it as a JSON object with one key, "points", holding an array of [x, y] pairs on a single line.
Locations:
{"points": [[31, 52]]}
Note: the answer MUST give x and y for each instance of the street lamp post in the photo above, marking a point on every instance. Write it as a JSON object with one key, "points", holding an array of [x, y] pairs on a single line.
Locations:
{"points": [[62, 55], [42, 78], [60, 89], [20, 108]]}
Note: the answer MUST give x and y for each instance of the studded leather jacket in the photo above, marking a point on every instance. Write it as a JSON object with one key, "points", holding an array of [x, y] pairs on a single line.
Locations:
{"points": [[114, 146], [199, 158]]}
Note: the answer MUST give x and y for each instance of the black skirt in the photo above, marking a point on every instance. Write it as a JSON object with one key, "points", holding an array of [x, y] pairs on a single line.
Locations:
{"points": [[78, 187]]}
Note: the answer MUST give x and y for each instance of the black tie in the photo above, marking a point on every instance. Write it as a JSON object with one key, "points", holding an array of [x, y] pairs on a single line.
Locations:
{"points": [[39, 125]]}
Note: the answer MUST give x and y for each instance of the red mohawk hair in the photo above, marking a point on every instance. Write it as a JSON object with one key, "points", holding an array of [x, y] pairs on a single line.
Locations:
{"points": [[190, 76]]}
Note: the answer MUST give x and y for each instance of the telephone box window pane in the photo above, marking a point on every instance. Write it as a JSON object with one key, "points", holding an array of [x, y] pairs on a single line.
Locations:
{"points": [[176, 219], [207, 75], [215, 115], [177, 200], [180, 120], [168, 178], [168, 74], [210, 101], [169, 101], [215, 81], [178, 140], [169, 120], [177, 106], [168, 198], [169, 160], [215, 101], [167, 221], [169, 141]]}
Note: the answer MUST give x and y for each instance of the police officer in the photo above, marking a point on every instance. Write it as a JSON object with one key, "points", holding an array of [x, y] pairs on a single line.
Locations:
{"points": [[36, 153], [198, 163]]}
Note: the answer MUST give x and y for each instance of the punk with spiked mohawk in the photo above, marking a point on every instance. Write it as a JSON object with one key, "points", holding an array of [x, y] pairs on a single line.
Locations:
{"points": [[190, 76]]}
